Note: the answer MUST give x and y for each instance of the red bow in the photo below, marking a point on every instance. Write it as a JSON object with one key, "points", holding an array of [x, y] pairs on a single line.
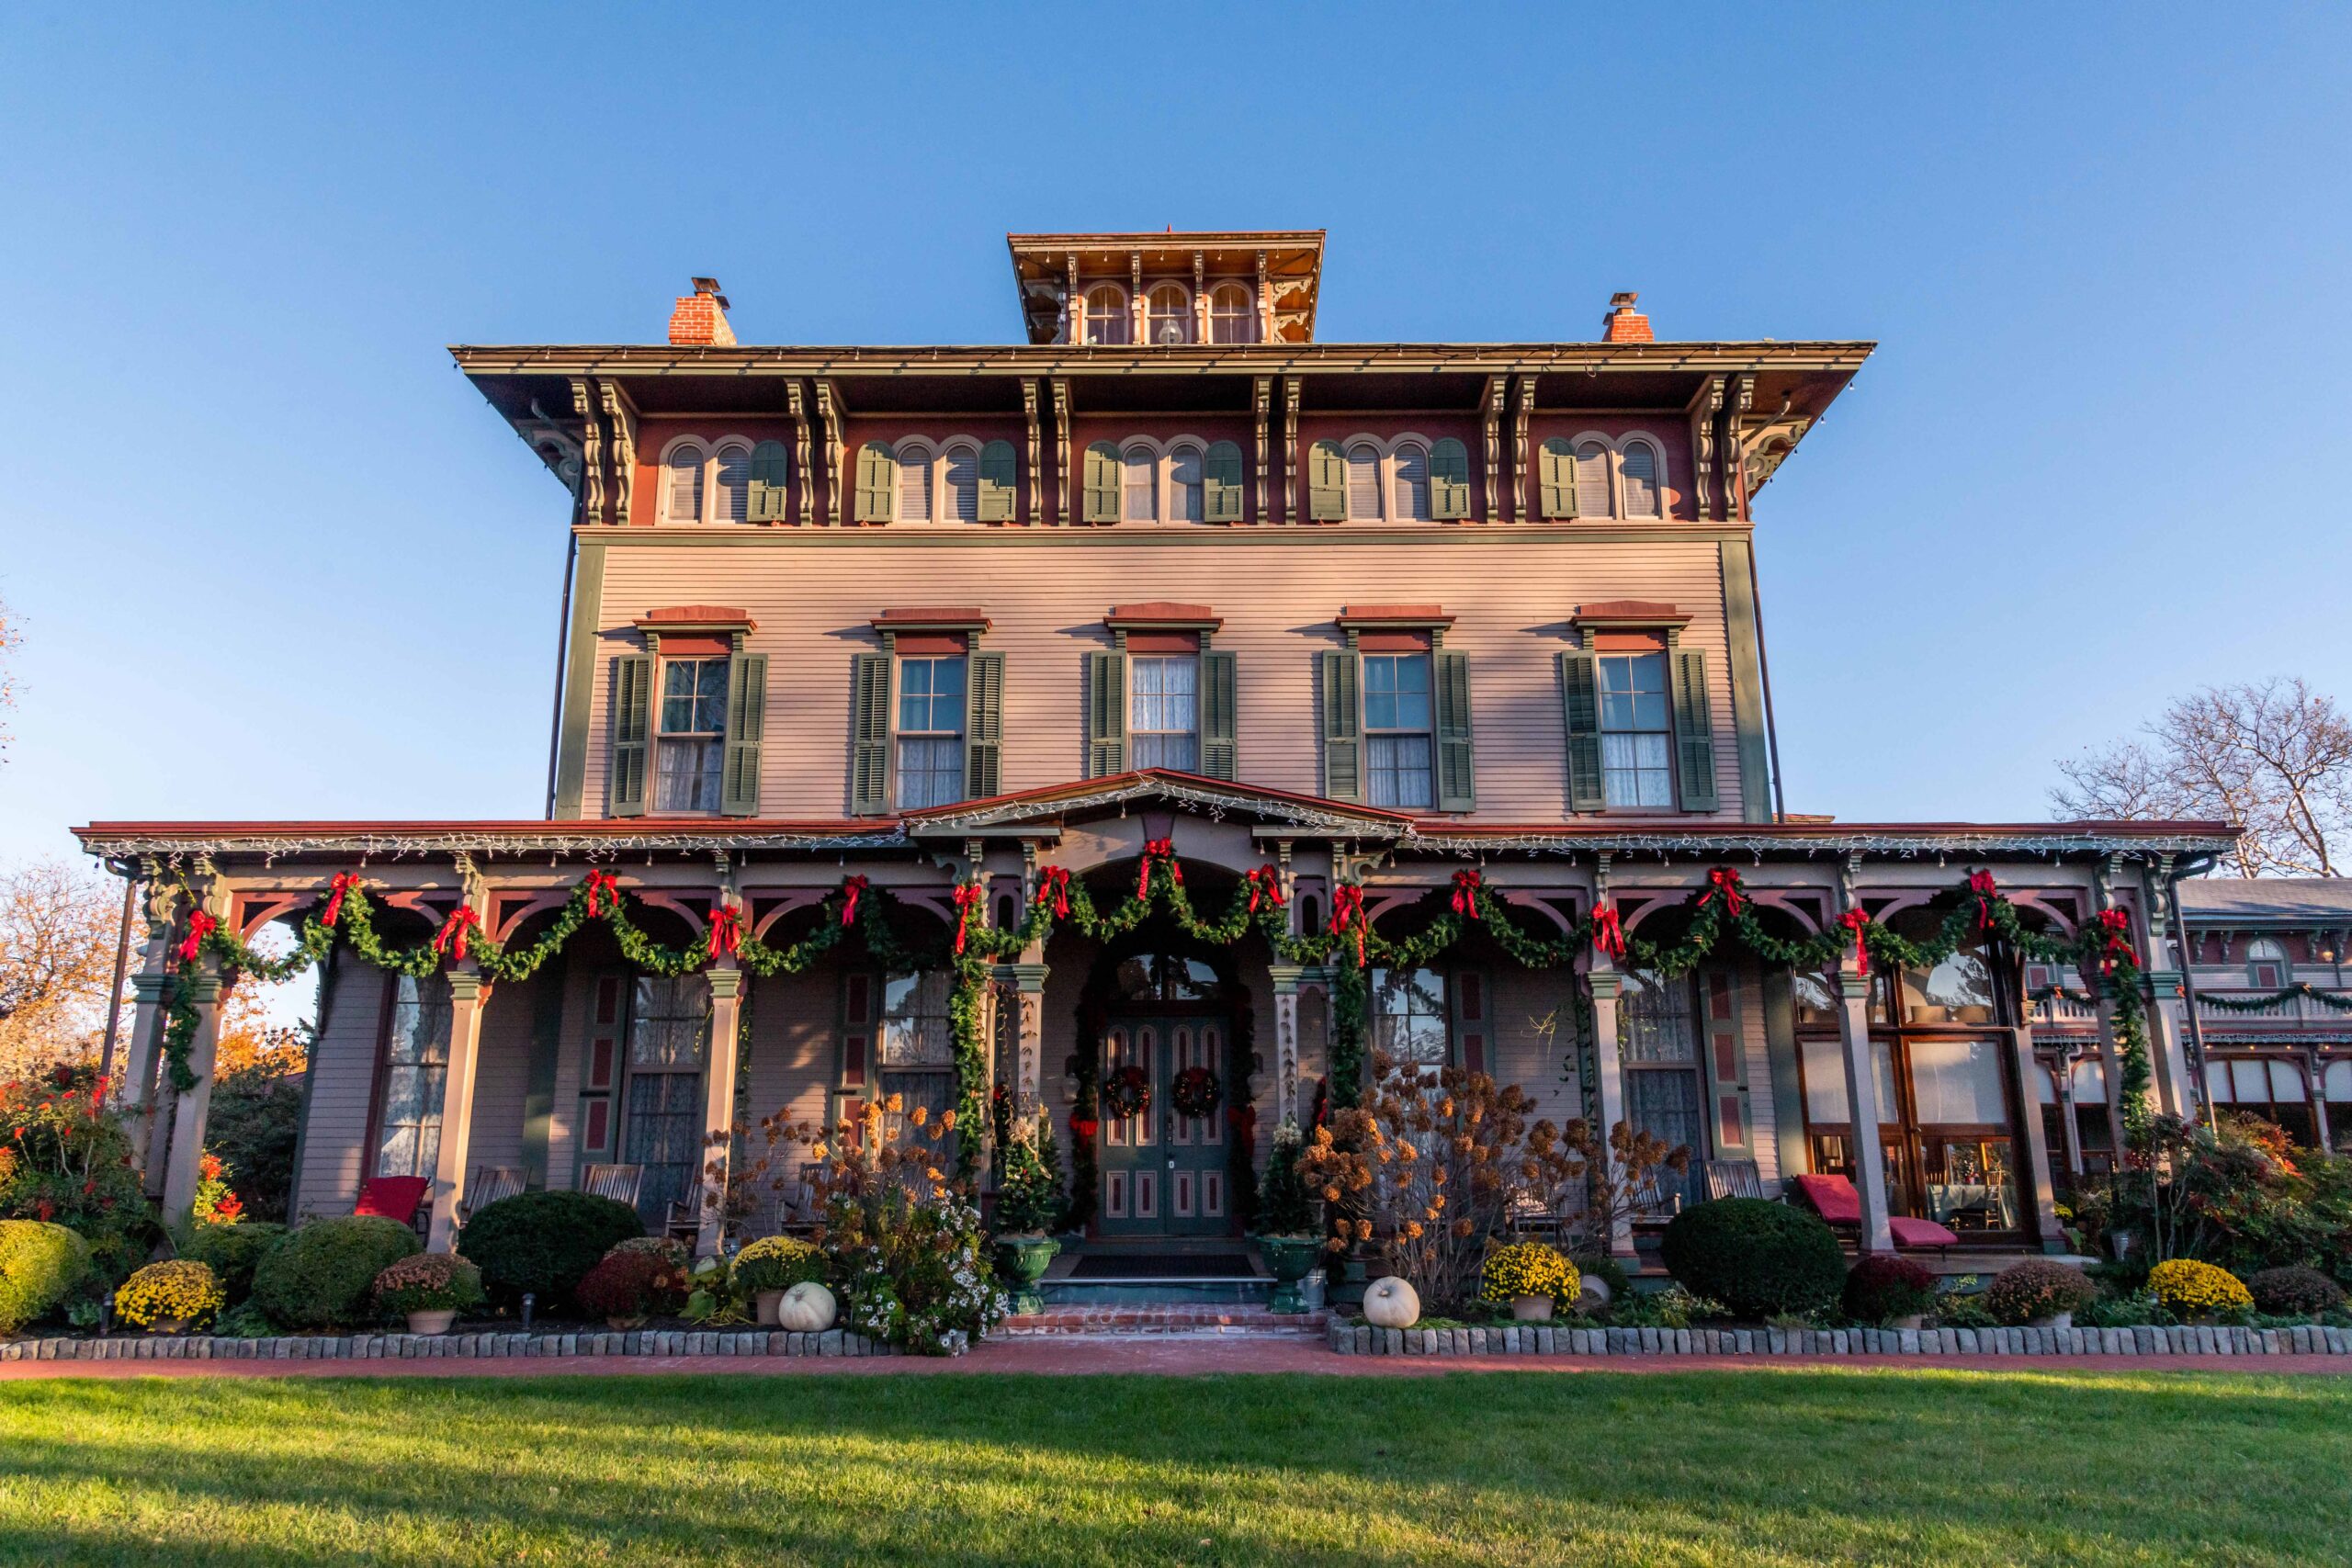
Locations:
{"points": [[1858, 923], [2118, 927], [343, 883], [1979, 883], [726, 929], [199, 926], [1053, 886], [1084, 1128], [1264, 882], [603, 887], [1466, 885], [851, 888], [1244, 1121], [1725, 881], [1156, 850], [1347, 914], [966, 895], [1609, 931], [451, 938]]}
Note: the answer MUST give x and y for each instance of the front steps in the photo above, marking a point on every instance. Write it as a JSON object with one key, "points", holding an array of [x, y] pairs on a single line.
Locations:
{"points": [[1165, 1317]]}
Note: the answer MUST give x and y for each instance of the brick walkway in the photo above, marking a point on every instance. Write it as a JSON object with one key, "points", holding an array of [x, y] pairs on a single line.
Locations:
{"points": [[1163, 1353]]}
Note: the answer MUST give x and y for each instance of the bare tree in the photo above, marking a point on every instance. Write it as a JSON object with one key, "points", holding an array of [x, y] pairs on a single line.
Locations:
{"points": [[10, 637], [57, 940], [2272, 759]]}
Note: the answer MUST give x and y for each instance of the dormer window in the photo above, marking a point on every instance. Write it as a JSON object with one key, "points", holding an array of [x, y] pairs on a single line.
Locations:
{"points": [[1594, 498], [1640, 468], [1106, 314], [1232, 317], [1170, 314], [914, 483], [734, 469], [1142, 484], [963, 484], [2267, 968], [1184, 484]]}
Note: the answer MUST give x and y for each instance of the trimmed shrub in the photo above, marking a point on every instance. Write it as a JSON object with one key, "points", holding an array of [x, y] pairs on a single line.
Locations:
{"points": [[2294, 1292], [178, 1291], [1756, 1257], [429, 1281], [627, 1285], [668, 1249], [1880, 1287], [2191, 1289], [39, 1266], [320, 1274], [233, 1252], [776, 1263], [545, 1243], [2037, 1287]]}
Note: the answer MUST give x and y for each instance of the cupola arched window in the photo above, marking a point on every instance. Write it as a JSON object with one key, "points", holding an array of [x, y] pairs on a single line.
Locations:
{"points": [[1170, 313], [1232, 317], [1107, 313]]}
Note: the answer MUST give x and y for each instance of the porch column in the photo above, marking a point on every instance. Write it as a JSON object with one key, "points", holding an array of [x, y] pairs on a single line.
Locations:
{"points": [[1861, 1103], [2037, 1143], [1608, 1068], [2065, 1075], [2111, 1057], [1029, 983], [468, 996], [718, 1102], [151, 990], [1285, 977], [2315, 1076], [184, 1156], [2167, 1049]]}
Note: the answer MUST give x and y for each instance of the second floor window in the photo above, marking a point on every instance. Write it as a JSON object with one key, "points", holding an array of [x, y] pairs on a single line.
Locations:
{"points": [[1636, 731], [1162, 718], [692, 743], [931, 732], [1142, 485], [2266, 964], [1397, 730]]}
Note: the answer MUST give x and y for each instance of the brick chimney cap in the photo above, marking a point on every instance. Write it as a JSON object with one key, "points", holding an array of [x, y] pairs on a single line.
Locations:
{"points": [[710, 285], [1624, 298]]}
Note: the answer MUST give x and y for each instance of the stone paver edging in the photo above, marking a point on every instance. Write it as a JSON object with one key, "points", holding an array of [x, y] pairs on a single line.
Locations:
{"points": [[443, 1346], [1546, 1340]]}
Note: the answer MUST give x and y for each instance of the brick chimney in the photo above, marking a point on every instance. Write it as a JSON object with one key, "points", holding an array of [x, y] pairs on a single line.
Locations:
{"points": [[1623, 324], [700, 319]]}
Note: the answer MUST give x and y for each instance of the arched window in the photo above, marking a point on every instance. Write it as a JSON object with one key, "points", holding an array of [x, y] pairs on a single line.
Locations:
{"points": [[963, 484], [1413, 483], [915, 484], [1107, 313], [1142, 485], [1592, 481], [1363, 482], [2267, 968], [1232, 318], [1184, 484], [681, 497], [1640, 468], [734, 484], [1170, 319]]}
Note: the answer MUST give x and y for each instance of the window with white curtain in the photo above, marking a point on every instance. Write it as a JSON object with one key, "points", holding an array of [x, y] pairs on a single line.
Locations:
{"points": [[734, 484], [1363, 482], [1184, 484], [1640, 469], [1142, 472], [1592, 481], [964, 484], [1232, 318], [1413, 483], [681, 497], [1107, 313], [1171, 315], [1163, 711], [915, 484]]}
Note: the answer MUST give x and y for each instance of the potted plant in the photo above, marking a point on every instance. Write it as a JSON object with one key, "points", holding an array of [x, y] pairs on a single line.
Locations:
{"points": [[2038, 1292], [1288, 1238], [1880, 1287], [1531, 1276], [429, 1289], [169, 1297], [2196, 1291], [1028, 1201], [627, 1287], [767, 1269]]}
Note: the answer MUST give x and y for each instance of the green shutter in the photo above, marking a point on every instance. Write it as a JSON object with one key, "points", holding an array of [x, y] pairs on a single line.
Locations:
{"points": [[632, 723], [1342, 729], [1449, 481], [1326, 482], [1457, 775], [1218, 693], [1558, 473], [869, 771], [1221, 483], [1106, 714], [984, 725], [1694, 733], [771, 476], [747, 719], [1580, 696], [877, 483], [1101, 483], [998, 474]]}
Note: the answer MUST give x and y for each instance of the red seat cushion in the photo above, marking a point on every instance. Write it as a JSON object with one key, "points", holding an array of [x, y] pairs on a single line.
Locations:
{"points": [[1833, 1197], [1919, 1233], [394, 1197]]}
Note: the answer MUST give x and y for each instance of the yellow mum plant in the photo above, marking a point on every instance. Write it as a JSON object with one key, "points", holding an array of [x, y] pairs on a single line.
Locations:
{"points": [[180, 1291], [1528, 1269], [2191, 1289]]}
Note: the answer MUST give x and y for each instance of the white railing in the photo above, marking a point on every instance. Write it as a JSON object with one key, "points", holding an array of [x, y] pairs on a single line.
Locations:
{"points": [[2308, 1012]]}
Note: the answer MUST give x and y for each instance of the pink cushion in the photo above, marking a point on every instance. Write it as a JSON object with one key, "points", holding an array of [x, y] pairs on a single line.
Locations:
{"points": [[1834, 1198], [1919, 1233], [394, 1197]]}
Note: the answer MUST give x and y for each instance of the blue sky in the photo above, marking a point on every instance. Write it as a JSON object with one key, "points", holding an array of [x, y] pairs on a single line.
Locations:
{"points": [[275, 559]]}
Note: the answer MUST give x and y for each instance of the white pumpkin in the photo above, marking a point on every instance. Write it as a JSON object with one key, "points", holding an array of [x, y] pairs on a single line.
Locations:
{"points": [[1592, 1292], [1391, 1304], [806, 1308]]}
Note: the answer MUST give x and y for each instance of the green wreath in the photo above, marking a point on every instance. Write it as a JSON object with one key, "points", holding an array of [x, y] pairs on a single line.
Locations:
{"points": [[1195, 1092], [1126, 1093]]}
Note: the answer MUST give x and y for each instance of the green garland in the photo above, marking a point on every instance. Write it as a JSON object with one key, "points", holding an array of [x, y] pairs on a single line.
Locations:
{"points": [[2335, 1001]]}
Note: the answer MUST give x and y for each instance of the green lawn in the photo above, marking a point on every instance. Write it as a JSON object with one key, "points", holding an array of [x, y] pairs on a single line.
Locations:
{"points": [[1755, 1466]]}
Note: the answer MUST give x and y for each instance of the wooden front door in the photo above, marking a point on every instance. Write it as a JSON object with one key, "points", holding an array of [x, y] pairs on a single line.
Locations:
{"points": [[1163, 1174]]}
